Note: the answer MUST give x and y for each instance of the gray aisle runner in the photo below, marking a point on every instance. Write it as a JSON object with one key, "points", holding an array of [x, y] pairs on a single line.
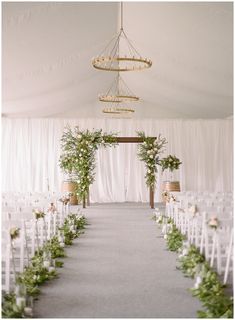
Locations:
{"points": [[119, 268]]}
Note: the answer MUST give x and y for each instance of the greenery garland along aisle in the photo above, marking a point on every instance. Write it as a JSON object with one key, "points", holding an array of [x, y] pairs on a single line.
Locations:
{"points": [[42, 267], [208, 287], [78, 155]]}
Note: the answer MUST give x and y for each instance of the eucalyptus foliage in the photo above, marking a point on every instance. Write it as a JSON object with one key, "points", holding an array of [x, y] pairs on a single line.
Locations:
{"points": [[53, 246], [190, 261], [36, 274], [72, 227], [211, 293], [209, 290], [78, 154], [174, 239], [148, 152], [32, 277], [10, 308]]}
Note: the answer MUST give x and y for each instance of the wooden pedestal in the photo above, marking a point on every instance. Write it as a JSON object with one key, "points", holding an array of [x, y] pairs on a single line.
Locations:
{"points": [[171, 186], [70, 186]]}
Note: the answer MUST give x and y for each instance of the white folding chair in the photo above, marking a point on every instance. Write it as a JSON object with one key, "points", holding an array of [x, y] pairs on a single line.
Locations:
{"points": [[220, 243], [229, 259]]}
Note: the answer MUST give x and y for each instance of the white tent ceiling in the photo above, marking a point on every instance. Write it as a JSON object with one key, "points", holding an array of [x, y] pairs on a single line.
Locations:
{"points": [[47, 49]]}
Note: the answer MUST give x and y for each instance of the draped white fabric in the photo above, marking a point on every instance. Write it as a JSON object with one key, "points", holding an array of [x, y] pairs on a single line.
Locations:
{"points": [[31, 149], [191, 50]]}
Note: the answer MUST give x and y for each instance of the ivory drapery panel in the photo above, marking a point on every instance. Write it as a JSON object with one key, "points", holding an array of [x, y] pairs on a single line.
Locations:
{"points": [[31, 149]]}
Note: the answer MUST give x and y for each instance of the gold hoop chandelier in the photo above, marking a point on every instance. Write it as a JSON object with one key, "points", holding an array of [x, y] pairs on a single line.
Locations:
{"points": [[118, 92], [118, 110], [112, 59]]}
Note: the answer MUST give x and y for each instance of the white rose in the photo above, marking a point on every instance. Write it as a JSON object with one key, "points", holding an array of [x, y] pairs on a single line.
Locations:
{"points": [[165, 236], [151, 156], [192, 209]]}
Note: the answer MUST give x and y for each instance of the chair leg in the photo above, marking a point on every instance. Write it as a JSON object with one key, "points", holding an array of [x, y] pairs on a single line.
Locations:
{"points": [[213, 250], [218, 245], [206, 246], [202, 240], [7, 269], [228, 258], [22, 251]]}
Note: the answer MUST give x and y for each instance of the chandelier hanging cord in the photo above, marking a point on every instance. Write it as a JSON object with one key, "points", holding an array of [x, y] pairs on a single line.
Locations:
{"points": [[122, 31], [121, 15], [118, 92], [111, 58], [115, 50]]}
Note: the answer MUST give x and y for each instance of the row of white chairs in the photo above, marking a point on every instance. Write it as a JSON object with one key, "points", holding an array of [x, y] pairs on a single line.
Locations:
{"points": [[207, 193], [208, 226], [11, 199], [17, 253]]}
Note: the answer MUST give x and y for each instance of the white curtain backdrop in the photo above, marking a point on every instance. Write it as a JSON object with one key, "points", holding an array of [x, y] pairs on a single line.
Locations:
{"points": [[31, 149]]}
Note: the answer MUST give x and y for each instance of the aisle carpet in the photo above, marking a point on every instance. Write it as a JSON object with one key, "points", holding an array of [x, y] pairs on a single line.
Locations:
{"points": [[119, 268]]}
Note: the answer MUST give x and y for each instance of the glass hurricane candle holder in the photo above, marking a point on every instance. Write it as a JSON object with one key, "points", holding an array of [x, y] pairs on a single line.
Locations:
{"points": [[47, 255], [28, 310], [20, 290]]}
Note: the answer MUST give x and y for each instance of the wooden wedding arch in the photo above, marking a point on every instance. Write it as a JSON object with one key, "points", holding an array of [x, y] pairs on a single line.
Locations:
{"points": [[128, 140]]}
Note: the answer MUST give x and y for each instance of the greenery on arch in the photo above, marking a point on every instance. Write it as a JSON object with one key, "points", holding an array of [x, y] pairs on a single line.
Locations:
{"points": [[78, 155], [149, 152]]}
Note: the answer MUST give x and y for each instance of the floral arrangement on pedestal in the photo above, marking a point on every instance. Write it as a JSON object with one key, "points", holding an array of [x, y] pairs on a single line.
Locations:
{"points": [[78, 155], [168, 197], [171, 163], [149, 151]]}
